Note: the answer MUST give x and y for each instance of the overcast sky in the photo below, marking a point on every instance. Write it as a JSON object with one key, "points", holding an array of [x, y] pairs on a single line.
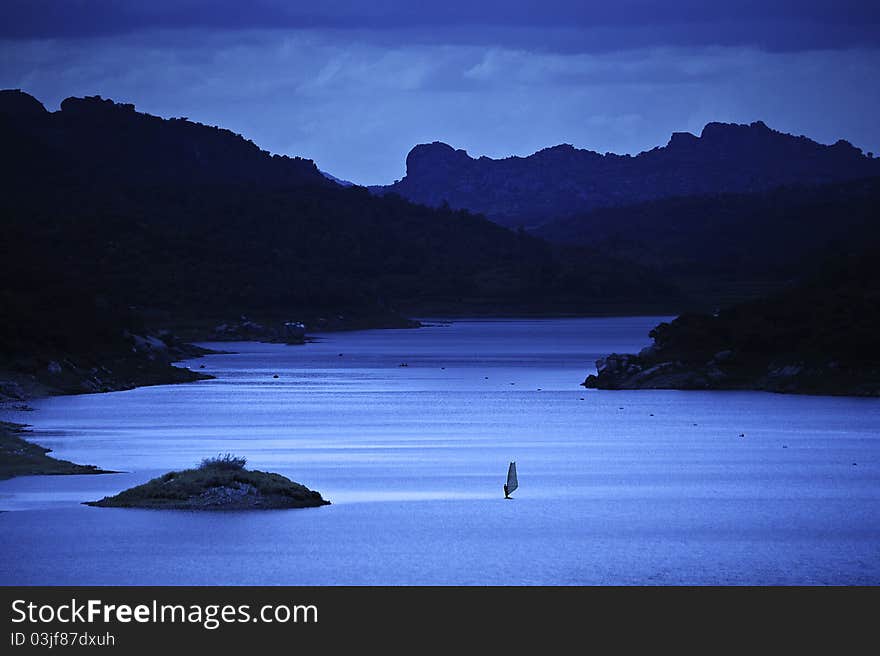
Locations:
{"points": [[355, 84]]}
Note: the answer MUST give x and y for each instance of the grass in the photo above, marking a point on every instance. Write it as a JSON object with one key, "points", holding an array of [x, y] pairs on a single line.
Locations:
{"points": [[18, 457], [223, 462]]}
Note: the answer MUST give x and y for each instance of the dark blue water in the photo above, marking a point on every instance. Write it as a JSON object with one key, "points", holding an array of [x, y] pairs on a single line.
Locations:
{"points": [[615, 487]]}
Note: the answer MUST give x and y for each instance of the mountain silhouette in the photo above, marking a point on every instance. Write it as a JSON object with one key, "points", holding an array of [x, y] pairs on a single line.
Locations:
{"points": [[111, 216], [91, 139], [732, 241], [118, 224], [562, 181]]}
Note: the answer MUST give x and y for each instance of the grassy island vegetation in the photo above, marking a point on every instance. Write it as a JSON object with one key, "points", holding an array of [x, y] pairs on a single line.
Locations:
{"points": [[220, 483]]}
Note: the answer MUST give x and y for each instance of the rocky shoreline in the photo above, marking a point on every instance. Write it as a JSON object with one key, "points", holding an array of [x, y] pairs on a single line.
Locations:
{"points": [[816, 337], [45, 372], [724, 372], [285, 331], [146, 359]]}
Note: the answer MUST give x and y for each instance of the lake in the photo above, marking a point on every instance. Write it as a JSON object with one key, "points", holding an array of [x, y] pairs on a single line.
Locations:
{"points": [[409, 434]]}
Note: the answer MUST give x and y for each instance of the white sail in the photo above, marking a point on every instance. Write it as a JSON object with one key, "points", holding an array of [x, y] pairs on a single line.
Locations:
{"points": [[512, 483]]}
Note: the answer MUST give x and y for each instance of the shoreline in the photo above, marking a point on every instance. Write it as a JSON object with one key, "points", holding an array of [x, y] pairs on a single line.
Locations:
{"points": [[21, 457], [727, 371]]}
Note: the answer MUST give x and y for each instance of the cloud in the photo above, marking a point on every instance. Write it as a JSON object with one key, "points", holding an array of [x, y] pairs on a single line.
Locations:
{"points": [[357, 107], [574, 25]]}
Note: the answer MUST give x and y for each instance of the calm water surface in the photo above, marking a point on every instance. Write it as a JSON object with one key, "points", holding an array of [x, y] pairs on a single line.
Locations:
{"points": [[640, 487]]}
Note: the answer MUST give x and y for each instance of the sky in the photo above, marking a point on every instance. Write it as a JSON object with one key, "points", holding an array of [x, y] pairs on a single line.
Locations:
{"points": [[354, 85]]}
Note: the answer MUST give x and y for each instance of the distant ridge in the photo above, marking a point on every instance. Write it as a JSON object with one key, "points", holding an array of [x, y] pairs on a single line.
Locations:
{"points": [[119, 226], [563, 181], [114, 220], [93, 139], [339, 181]]}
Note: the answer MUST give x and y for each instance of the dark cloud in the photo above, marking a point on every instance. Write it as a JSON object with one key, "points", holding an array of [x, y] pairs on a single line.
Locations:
{"points": [[582, 26]]}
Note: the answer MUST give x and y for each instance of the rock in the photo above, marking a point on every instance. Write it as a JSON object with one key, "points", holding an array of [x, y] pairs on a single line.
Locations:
{"points": [[723, 356], [618, 364], [715, 374], [294, 330], [788, 371], [563, 181], [645, 374], [289, 332], [591, 381], [54, 368], [10, 391], [621, 371]]}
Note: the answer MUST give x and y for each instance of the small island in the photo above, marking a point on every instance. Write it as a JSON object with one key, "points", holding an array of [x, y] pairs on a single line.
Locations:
{"points": [[220, 483]]}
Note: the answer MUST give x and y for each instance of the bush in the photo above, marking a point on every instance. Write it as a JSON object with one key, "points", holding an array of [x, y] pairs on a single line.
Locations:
{"points": [[224, 461]]}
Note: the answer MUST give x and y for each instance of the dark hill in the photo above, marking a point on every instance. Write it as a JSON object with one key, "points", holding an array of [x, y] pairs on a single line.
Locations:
{"points": [[817, 337], [92, 140], [118, 223], [731, 242], [562, 181]]}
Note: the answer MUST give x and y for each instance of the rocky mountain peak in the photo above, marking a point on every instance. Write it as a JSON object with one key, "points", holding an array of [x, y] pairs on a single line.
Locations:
{"points": [[562, 180], [15, 102], [433, 158]]}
